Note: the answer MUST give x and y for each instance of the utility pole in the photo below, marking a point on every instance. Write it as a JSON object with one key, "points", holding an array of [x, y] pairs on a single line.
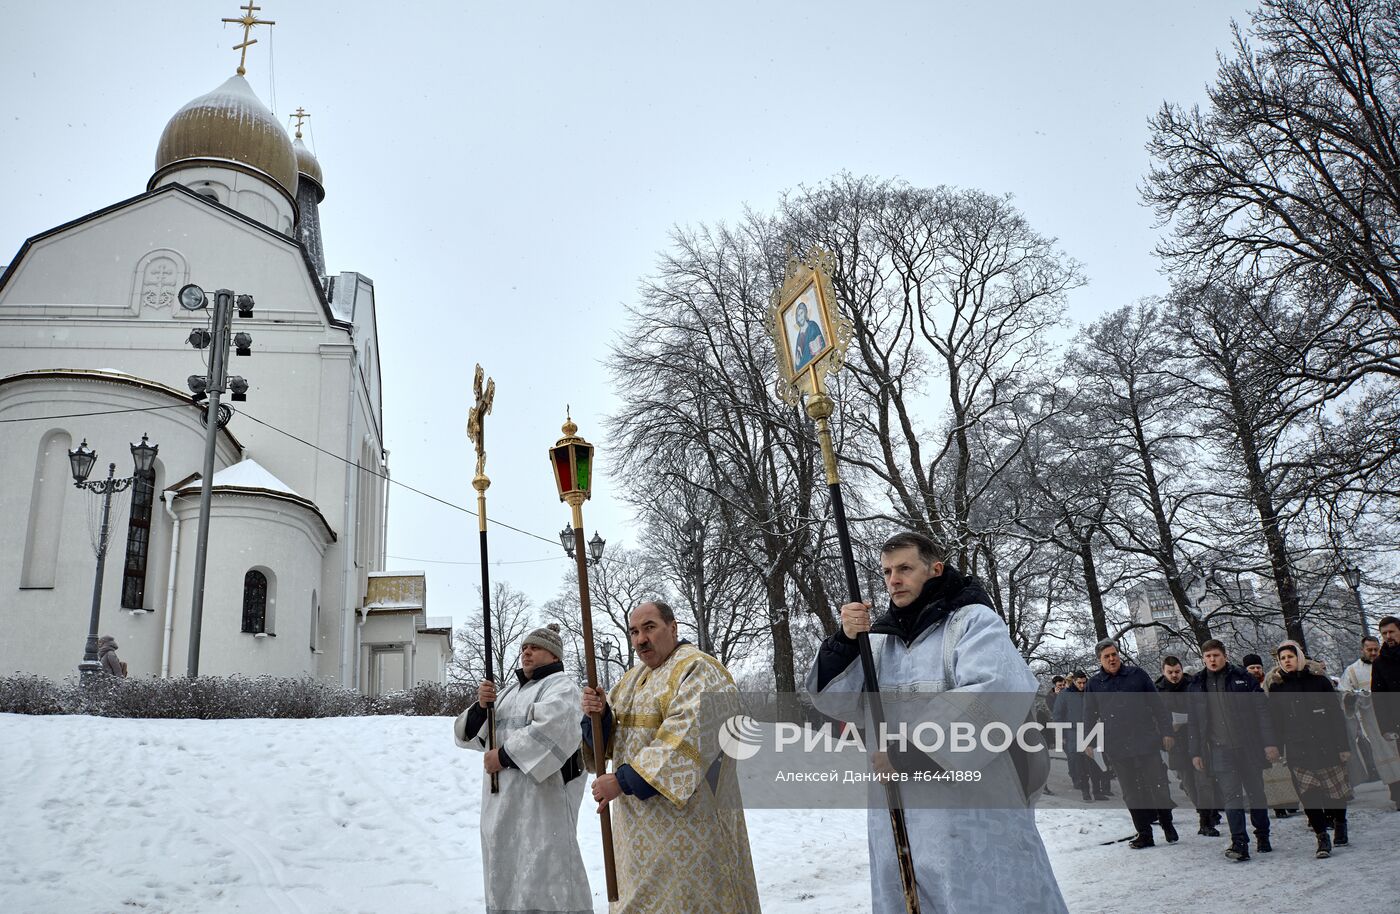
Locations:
{"points": [[217, 339]]}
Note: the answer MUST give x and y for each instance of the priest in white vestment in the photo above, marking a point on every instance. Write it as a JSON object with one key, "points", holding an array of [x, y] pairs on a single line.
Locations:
{"points": [[529, 830], [681, 844]]}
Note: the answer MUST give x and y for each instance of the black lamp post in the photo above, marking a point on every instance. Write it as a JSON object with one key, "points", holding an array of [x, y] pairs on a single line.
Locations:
{"points": [[81, 461], [1352, 575], [595, 545], [694, 555], [607, 649]]}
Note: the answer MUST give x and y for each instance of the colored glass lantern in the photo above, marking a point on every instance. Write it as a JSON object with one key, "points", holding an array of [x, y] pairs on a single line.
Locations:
{"points": [[572, 458]]}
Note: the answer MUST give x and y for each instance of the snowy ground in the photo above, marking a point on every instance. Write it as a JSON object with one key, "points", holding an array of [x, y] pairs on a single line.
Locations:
{"points": [[379, 814]]}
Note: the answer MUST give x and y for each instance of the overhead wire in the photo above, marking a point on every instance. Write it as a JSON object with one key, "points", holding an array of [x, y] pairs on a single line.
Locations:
{"points": [[105, 412], [392, 481], [409, 558], [355, 464]]}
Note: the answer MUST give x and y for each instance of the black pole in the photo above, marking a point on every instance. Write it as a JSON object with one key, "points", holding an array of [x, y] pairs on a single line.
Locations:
{"points": [[701, 612], [486, 637], [893, 797], [89, 667], [218, 371]]}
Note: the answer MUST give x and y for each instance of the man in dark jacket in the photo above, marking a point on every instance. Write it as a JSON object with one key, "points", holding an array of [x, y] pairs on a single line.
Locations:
{"points": [[1137, 727], [1232, 737], [1173, 685], [1069, 708], [1385, 688]]}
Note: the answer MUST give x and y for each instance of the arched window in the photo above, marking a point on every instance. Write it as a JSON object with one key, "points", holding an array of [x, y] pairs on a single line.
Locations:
{"points": [[254, 602], [52, 480], [138, 540]]}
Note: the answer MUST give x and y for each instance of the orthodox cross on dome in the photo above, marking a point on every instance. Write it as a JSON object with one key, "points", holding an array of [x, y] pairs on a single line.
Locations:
{"points": [[300, 115], [247, 20]]}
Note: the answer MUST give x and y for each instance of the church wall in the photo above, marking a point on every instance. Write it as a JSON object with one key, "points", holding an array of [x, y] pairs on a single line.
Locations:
{"points": [[42, 630], [387, 632], [274, 536], [101, 295], [90, 269], [431, 665], [254, 197]]}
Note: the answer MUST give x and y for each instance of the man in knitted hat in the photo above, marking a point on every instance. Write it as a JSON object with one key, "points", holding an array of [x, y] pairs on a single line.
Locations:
{"points": [[1254, 665], [529, 845]]}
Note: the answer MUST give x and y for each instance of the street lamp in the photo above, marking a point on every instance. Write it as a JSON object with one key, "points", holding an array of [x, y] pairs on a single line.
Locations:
{"points": [[595, 545], [607, 649], [1352, 575], [693, 554], [81, 461]]}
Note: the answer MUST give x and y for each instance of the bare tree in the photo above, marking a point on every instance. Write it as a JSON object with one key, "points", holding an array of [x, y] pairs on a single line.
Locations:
{"points": [[1066, 479], [512, 618], [697, 370], [1136, 409], [731, 608], [1256, 418], [951, 293], [1292, 173], [622, 581]]}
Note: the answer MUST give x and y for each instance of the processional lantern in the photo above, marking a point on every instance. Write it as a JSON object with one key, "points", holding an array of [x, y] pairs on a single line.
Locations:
{"points": [[573, 465]]}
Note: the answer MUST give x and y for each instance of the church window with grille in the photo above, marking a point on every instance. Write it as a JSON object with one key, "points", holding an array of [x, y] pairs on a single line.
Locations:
{"points": [[254, 602], [138, 540]]}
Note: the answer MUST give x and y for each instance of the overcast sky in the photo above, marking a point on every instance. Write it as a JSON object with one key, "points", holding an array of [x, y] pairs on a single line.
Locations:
{"points": [[507, 172]]}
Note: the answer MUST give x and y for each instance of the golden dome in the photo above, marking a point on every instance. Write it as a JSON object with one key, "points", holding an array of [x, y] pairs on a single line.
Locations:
{"points": [[308, 167], [229, 124]]}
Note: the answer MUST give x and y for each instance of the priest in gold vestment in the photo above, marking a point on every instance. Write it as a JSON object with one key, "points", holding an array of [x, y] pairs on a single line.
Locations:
{"points": [[678, 827]]}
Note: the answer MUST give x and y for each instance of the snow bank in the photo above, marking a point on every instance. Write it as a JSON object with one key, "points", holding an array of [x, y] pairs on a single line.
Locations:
{"points": [[380, 814]]}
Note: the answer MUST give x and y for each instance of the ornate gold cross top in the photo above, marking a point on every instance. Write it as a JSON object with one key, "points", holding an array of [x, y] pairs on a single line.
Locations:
{"points": [[300, 115], [476, 419], [247, 20]]}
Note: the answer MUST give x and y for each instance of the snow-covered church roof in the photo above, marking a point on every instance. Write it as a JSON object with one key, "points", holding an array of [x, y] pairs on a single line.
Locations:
{"points": [[249, 474], [252, 478]]}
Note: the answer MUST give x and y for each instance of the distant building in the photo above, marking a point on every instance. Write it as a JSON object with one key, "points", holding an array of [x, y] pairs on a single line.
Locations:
{"points": [[1329, 622]]}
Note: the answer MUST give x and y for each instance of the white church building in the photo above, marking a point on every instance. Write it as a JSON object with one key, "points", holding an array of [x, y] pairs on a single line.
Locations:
{"points": [[93, 347]]}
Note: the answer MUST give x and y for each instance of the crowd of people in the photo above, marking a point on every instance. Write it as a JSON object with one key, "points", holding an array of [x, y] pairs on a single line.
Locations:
{"points": [[678, 830], [679, 843], [1241, 740]]}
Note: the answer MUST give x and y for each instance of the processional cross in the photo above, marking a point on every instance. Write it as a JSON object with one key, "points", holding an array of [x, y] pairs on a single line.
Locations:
{"points": [[247, 20], [476, 419], [476, 431]]}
